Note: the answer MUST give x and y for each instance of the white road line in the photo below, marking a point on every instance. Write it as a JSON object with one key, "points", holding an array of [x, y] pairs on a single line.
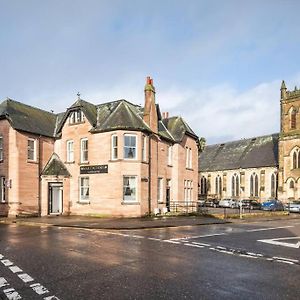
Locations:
{"points": [[170, 241], [39, 289], [287, 259], [220, 247], [201, 244], [193, 245], [7, 262], [51, 298], [137, 236], [25, 277], [3, 282], [15, 269], [285, 262], [11, 294], [1, 256], [270, 228], [154, 239], [198, 236]]}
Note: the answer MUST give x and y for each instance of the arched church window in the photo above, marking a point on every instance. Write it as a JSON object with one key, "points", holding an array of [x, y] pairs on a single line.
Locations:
{"points": [[254, 185], [273, 185], [293, 115], [235, 186], [292, 184]]}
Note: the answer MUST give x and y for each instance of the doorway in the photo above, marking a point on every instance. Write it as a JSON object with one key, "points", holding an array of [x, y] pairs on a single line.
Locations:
{"points": [[55, 198], [168, 192]]}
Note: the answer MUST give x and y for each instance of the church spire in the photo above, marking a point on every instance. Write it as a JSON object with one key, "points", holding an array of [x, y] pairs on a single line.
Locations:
{"points": [[283, 90]]}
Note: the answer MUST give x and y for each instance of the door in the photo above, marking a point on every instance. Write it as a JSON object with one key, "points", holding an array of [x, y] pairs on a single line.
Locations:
{"points": [[168, 198], [55, 198]]}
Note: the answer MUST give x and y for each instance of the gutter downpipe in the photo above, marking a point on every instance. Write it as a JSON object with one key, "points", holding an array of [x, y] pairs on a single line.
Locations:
{"points": [[149, 175], [40, 180]]}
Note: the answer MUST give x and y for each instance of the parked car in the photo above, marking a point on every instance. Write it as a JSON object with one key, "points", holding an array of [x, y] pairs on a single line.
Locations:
{"points": [[211, 202], [201, 202], [293, 206], [228, 203], [272, 205], [250, 204]]}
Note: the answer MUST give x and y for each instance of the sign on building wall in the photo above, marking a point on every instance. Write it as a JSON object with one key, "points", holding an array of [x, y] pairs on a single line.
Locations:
{"points": [[94, 169]]}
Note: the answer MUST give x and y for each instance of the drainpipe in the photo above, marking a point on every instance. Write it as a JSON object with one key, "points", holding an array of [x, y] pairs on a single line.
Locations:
{"points": [[149, 175], [39, 178]]}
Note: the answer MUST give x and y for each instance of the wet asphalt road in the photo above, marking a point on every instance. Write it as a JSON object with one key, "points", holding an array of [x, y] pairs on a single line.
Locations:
{"points": [[226, 261]]}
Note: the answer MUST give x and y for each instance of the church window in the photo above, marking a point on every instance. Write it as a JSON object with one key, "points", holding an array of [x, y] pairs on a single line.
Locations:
{"points": [[273, 185], [296, 159], [235, 186], [218, 185], [293, 115], [254, 185], [203, 186]]}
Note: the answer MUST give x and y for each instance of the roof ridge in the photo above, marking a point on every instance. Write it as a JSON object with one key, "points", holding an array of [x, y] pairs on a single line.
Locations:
{"points": [[29, 106], [118, 100]]}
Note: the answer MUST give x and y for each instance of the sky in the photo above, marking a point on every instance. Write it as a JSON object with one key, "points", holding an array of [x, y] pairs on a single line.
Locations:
{"points": [[218, 64]]}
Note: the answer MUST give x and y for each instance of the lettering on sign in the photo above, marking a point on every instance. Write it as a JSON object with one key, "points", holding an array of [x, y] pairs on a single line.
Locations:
{"points": [[97, 169]]}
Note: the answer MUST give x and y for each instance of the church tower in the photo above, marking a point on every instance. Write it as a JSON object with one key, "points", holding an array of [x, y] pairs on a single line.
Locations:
{"points": [[289, 145]]}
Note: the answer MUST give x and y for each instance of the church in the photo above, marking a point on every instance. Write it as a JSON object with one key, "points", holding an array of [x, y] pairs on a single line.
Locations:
{"points": [[261, 168]]}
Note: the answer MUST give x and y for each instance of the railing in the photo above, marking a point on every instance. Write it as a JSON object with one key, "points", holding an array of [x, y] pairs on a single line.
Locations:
{"points": [[186, 207]]}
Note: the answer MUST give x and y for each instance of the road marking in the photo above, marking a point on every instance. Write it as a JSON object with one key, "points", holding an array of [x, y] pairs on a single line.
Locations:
{"points": [[285, 262], [3, 282], [39, 289], [51, 298], [277, 242], [193, 245], [198, 236], [170, 241], [270, 228], [201, 244], [7, 262], [25, 277], [154, 239], [11, 294], [15, 269], [288, 259], [1, 256]]}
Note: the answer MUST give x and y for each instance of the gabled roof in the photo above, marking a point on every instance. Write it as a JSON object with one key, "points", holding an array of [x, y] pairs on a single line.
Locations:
{"points": [[178, 128], [28, 118], [55, 167], [119, 114], [256, 152]]}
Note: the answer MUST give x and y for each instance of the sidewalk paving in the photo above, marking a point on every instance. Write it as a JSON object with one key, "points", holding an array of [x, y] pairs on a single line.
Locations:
{"points": [[134, 223]]}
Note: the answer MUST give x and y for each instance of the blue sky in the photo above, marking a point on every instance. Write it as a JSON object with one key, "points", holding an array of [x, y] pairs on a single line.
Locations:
{"points": [[218, 64]]}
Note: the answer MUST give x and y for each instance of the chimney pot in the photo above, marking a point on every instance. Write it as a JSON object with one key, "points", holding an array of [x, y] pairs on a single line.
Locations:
{"points": [[148, 80]]}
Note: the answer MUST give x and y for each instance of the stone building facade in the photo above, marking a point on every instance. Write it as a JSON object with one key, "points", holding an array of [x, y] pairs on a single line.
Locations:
{"points": [[115, 158], [263, 167]]}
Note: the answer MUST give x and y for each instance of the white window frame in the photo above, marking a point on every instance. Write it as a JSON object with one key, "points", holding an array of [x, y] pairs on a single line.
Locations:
{"points": [[170, 155], [188, 191], [29, 149], [76, 117], [114, 147], [84, 151], [2, 189], [135, 199], [1, 148], [82, 187], [70, 151], [160, 185], [135, 147], [190, 158], [144, 148]]}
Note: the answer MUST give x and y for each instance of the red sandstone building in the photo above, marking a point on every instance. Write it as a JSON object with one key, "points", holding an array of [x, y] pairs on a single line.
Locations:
{"points": [[115, 158]]}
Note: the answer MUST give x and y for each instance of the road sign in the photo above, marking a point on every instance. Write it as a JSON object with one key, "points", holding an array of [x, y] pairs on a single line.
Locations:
{"points": [[291, 242]]}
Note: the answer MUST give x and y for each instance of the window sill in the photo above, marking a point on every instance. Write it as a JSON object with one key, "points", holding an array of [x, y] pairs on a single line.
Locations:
{"points": [[160, 202], [130, 159], [83, 202], [170, 166], [3, 202], [32, 161], [84, 163], [69, 162], [130, 203], [1, 161], [189, 169]]}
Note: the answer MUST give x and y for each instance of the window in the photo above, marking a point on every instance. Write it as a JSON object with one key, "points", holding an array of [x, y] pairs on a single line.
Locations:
{"points": [[31, 149], [76, 117], [160, 190], [129, 146], [114, 147], [129, 189], [70, 151], [188, 158], [293, 115], [2, 189], [144, 147], [273, 186], [203, 186], [292, 184], [1, 148], [188, 191], [235, 186], [296, 159], [254, 185], [84, 151], [218, 185], [84, 188], [170, 155]]}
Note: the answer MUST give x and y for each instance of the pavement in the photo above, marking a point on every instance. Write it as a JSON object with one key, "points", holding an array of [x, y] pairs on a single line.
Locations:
{"points": [[135, 223]]}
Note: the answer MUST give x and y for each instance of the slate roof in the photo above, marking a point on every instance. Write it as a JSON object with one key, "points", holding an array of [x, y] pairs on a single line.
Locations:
{"points": [[256, 152], [55, 167], [115, 115], [28, 118]]}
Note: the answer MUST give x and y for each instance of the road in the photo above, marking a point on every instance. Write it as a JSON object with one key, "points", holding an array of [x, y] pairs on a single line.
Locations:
{"points": [[257, 260]]}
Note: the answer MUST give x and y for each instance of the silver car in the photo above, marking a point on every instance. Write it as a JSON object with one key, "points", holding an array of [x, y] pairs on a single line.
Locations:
{"points": [[294, 206], [228, 203]]}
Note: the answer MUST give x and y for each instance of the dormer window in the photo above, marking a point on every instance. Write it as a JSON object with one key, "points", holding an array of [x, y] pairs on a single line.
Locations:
{"points": [[76, 117]]}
